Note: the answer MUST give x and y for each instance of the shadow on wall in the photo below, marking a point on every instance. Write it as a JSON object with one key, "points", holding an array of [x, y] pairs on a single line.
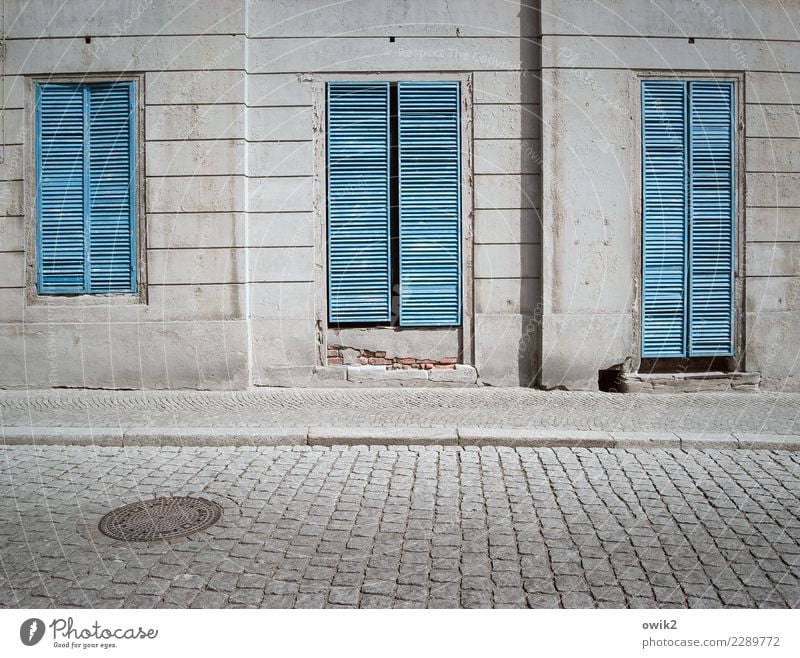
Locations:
{"points": [[530, 346]]}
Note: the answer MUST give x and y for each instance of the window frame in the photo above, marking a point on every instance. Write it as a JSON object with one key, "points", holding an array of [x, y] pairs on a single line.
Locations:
{"points": [[395, 126], [30, 138], [736, 362], [387, 333]]}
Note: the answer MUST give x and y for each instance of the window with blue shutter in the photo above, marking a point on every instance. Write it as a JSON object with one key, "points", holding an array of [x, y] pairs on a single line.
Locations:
{"points": [[85, 199], [359, 248], [688, 194], [394, 203], [430, 203]]}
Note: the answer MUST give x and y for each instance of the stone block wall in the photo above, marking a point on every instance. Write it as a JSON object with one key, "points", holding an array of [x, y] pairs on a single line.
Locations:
{"points": [[231, 181], [189, 329], [772, 229], [293, 48]]}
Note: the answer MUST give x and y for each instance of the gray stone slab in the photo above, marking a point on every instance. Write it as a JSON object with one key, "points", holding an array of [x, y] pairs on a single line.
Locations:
{"points": [[491, 436], [707, 440], [75, 436], [459, 374], [331, 436], [645, 440], [214, 436], [331, 373], [752, 441], [381, 373]]}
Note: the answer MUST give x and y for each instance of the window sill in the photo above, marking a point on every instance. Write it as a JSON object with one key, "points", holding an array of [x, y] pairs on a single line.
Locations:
{"points": [[84, 301]]}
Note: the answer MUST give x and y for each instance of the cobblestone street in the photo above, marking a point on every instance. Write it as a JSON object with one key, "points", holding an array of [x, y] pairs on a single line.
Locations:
{"points": [[407, 527]]}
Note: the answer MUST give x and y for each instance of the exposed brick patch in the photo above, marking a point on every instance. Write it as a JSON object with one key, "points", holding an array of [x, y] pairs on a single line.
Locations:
{"points": [[336, 357]]}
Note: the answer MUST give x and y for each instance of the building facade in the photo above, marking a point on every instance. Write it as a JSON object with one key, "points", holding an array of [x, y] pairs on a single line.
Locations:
{"points": [[239, 193]]}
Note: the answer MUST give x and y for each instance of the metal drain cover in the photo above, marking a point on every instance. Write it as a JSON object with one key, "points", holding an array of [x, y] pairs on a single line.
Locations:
{"points": [[160, 518]]}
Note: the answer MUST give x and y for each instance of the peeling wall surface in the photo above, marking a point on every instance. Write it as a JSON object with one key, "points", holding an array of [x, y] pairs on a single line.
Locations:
{"points": [[232, 184]]}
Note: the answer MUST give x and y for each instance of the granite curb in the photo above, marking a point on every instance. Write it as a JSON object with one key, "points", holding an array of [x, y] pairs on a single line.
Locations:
{"points": [[382, 436]]}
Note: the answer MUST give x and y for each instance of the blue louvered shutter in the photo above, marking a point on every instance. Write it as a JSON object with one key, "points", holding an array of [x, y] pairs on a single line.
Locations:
{"points": [[84, 192], [664, 218], [711, 218], [430, 202], [60, 200], [111, 252], [359, 251]]}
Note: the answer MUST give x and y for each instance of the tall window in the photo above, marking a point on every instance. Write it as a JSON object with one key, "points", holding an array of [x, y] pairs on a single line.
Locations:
{"points": [[394, 202], [688, 215], [85, 240]]}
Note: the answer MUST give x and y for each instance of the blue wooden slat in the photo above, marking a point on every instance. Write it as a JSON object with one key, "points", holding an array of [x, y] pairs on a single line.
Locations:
{"points": [[711, 218], [60, 240], [359, 253], [111, 253], [664, 218], [430, 203]]}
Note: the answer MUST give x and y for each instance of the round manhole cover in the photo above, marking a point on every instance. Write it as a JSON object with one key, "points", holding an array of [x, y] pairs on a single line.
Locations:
{"points": [[160, 518]]}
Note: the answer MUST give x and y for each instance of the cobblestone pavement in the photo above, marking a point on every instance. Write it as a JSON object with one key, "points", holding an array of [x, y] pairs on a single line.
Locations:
{"points": [[407, 527], [776, 413]]}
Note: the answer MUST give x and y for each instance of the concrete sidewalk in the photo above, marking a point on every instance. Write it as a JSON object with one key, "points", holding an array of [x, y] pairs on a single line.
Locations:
{"points": [[429, 416]]}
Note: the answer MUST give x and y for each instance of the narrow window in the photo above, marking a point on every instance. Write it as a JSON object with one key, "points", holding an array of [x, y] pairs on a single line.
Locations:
{"points": [[394, 211], [688, 218], [85, 240]]}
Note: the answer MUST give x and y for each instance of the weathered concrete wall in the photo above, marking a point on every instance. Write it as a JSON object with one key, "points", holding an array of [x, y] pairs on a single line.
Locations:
{"points": [[190, 331], [773, 226], [233, 181], [293, 47], [591, 163]]}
